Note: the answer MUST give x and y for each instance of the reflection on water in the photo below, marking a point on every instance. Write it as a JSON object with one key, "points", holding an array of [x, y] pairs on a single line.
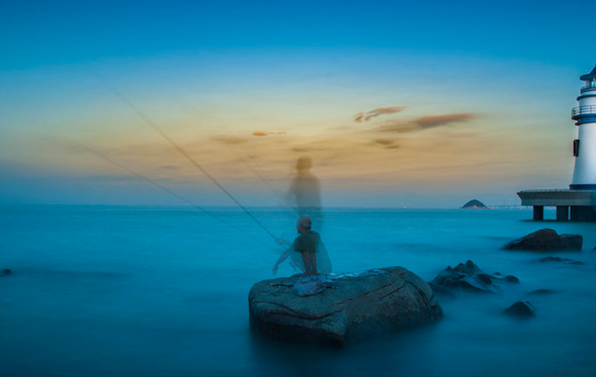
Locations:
{"points": [[163, 291]]}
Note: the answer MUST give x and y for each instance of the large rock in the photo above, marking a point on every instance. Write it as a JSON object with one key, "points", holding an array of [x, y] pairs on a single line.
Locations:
{"points": [[469, 276], [353, 306], [546, 240]]}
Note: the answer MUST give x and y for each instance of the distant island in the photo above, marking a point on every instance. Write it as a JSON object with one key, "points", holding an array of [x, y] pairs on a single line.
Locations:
{"points": [[474, 204]]}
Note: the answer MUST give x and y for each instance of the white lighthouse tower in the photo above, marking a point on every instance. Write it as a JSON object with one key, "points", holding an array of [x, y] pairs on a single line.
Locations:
{"points": [[584, 147], [578, 203]]}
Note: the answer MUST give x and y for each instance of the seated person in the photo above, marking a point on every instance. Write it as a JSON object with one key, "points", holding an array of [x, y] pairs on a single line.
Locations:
{"points": [[310, 248]]}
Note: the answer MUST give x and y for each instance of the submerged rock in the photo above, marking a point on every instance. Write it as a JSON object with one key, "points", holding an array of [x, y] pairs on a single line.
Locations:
{"points": [[546, 240], [559, 259], [351, 306], [521, 309], [473, 204], [5, 272], [469, 276], [542, 291], [508, 278]]}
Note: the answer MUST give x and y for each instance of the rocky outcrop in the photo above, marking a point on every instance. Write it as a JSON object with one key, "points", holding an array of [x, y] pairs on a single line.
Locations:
{"points": [[351, 306], [546, 240], [470, 277], [521, 309]]}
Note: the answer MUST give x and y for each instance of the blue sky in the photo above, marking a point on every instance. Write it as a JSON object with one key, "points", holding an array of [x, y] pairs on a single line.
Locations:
{"points": [[57, 33], [499, 78]]}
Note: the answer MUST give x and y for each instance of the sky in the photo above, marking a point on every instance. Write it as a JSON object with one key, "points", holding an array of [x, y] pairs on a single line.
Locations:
{"points": [[397, 104]]}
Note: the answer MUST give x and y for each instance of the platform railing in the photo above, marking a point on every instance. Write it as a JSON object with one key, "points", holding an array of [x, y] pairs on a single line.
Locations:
{"points": [[583, 110]]}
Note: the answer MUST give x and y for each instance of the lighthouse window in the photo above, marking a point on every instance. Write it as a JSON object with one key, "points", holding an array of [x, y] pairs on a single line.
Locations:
{"points": [[575, 148]]}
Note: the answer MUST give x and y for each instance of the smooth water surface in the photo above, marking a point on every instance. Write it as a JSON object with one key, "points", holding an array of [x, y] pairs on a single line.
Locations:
{"points": [[114, 291]]}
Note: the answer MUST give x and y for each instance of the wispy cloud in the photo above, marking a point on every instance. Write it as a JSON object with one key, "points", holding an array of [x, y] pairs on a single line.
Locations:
{"points": [[377, 112], [230, 140], [442, 120], [261, 133], [426, 122], [358, 117], [383, 141]]}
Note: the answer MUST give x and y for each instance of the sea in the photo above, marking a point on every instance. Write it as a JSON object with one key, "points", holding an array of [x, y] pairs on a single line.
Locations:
{"points": [[163, 291]]}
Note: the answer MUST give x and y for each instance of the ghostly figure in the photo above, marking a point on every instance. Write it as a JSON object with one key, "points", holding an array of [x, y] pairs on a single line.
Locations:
{"points": [[304, 195]]}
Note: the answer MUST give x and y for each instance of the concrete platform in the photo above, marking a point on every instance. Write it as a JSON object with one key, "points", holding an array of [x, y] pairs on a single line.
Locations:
{"points": [[574, 205]]}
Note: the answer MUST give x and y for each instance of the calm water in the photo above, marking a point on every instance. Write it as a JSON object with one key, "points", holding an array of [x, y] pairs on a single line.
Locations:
{"points": [[113, 291]]}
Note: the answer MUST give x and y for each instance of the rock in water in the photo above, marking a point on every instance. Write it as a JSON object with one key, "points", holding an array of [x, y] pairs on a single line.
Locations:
{"points": [[355, 306], [467, 276], [5, 272], [521, 309], [559, 259], [546, 240], [474, 204], [542, 291], [508, 278]]}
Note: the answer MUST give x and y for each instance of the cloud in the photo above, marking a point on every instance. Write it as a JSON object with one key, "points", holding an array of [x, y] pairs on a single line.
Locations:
{"points": [[358, 117], [230, 140], [261, 133], [376, 112], [442, 120], [426, 122], [383, 142]]}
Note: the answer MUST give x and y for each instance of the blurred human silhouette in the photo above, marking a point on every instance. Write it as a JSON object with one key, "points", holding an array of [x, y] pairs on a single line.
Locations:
{"points": [[304, 195], [307, 245]]}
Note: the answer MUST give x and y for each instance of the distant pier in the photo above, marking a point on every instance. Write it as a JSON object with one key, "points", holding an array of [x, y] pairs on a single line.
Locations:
{"points": [[572, 205]]}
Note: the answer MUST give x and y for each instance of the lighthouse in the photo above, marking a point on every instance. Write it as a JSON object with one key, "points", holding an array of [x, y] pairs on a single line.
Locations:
{"points": [[578, 203], [584, 147]]}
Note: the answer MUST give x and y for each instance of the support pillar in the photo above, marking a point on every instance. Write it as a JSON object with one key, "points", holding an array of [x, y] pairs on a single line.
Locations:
{"points": [[562, 213], [585, 213], [538, 213], [575, 211]]}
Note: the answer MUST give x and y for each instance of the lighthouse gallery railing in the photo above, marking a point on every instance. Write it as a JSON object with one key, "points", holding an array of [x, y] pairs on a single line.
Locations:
{"points": [[583, 110]]}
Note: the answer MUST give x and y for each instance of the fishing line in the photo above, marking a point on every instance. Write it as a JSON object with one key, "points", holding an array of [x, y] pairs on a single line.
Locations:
{"points": [[188, 157], [171, 193], [266, 181]]}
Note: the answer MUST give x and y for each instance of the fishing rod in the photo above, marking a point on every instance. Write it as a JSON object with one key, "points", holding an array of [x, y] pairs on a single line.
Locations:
{"points": [[150, 181], [187, 156]]}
